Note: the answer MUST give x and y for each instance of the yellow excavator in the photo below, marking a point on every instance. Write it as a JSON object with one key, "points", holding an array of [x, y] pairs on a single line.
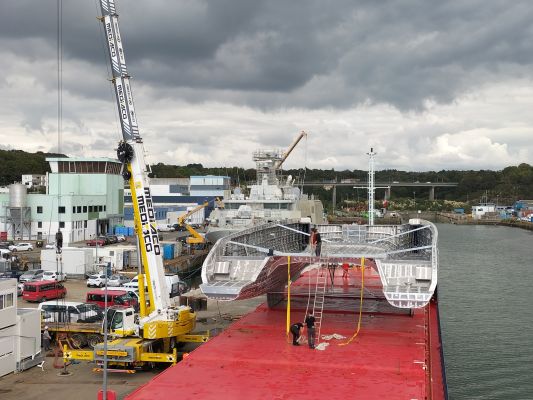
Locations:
{"points": [[195, 237]]}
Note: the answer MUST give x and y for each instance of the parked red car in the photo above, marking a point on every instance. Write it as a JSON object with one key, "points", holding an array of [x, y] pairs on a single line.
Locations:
{"points": [[114, 298], [96, 242]]}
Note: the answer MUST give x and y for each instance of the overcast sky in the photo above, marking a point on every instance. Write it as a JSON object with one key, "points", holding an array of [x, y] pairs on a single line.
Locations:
{"points": [[429, 85]]}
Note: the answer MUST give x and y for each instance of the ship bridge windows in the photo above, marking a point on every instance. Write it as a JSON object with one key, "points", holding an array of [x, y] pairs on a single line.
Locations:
{"points": [[276, 206], [233, 206]]}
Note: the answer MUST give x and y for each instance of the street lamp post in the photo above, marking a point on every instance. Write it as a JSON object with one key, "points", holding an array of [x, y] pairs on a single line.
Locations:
{"points": [[414, 198]]}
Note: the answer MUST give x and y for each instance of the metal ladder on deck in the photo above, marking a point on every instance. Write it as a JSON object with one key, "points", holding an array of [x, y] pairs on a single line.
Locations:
{"points": [[320, 292]]}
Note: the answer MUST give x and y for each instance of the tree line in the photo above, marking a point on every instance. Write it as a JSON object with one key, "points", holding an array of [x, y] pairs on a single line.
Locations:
{"points": [[502, 187]]}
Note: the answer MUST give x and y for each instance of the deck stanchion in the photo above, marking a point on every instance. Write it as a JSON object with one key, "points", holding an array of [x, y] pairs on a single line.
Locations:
{"points": [[288, 296]]}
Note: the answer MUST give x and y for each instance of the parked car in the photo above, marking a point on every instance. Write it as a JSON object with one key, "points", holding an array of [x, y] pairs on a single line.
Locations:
{"points": [[179, 228], [117, 280], [43, 290], [21, 247], [133, 284], [96, 242], [96, 280], [20, 288], [165, 228], [5, 253], [50, 245], [112, 239], [5, 244], [31, 275], [121, 238], [114, 298], [54, 276], [175, 286], [12, 274]]}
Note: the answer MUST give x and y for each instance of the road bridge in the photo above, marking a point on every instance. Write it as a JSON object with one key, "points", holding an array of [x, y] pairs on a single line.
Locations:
{"points": [[380, 185]]}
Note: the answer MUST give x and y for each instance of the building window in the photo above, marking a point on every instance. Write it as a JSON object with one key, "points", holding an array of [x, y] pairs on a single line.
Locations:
{"points": [[61, 209], [6, 300], [90, 208], [84, 208], [100, 208], [73, 209], [39, 224], [85, 224], [39, 209], [104, 208], [79, 209], [61, 224]]}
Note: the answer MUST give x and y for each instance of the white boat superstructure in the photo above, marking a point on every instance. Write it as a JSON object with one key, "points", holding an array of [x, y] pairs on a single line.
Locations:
{"points": [[272, 198]]}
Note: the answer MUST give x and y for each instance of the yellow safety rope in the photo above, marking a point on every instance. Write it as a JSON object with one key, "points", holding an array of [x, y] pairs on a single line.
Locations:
{"points": [[360, 304], [288, 296]]}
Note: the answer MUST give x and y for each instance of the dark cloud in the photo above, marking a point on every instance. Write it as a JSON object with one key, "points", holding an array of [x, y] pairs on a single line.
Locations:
{"points": [[379, 52], [251, 74]]}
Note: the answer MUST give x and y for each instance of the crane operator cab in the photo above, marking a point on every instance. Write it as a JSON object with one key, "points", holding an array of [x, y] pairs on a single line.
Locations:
{"points": [[121, 321]]}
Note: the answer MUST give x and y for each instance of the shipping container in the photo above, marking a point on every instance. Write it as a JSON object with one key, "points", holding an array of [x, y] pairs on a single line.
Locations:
{"points": [[168, 251]]}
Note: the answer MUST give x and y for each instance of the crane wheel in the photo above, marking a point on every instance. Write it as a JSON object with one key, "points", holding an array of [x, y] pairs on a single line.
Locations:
{"points": [[78, 340], [93, 340]]}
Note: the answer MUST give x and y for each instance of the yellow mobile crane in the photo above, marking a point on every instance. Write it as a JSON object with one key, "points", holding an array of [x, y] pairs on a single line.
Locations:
{"points": [[152, 334], [195, 237]]}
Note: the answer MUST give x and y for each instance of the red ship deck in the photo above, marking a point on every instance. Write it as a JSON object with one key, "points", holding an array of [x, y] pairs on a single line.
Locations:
{"points": [[394, 356]]}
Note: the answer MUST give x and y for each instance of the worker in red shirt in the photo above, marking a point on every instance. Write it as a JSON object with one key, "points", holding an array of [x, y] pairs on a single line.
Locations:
{"points": [[345, 268]]}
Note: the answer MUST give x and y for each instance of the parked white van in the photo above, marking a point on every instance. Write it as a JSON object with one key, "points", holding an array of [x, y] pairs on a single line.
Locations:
{"points": [[165, 228], [69, 311], [176, 287]]}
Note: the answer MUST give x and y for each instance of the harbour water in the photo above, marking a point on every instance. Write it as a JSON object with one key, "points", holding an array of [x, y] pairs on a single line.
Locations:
{"points": [[486, 304]]}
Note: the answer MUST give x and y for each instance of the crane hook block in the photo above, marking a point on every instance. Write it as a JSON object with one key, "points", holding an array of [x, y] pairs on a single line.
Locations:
{"points": [[124, 152]]}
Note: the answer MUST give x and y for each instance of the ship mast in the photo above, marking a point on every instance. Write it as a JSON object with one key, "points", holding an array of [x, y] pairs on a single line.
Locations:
{"points": [[371, 186]]}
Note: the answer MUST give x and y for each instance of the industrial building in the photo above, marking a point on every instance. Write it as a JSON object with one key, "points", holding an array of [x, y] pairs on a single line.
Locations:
{"points": [[84, 197], [173, 197]]}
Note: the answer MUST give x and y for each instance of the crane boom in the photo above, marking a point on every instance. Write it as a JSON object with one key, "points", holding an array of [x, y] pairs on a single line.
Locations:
{"points": [[183, 217], [154, 333], [131, 152], [290, 149]]}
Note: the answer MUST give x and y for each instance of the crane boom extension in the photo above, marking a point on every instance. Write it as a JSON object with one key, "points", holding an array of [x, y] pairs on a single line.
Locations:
{"points": [[131, 153], [183, 217], [290, 149]]}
